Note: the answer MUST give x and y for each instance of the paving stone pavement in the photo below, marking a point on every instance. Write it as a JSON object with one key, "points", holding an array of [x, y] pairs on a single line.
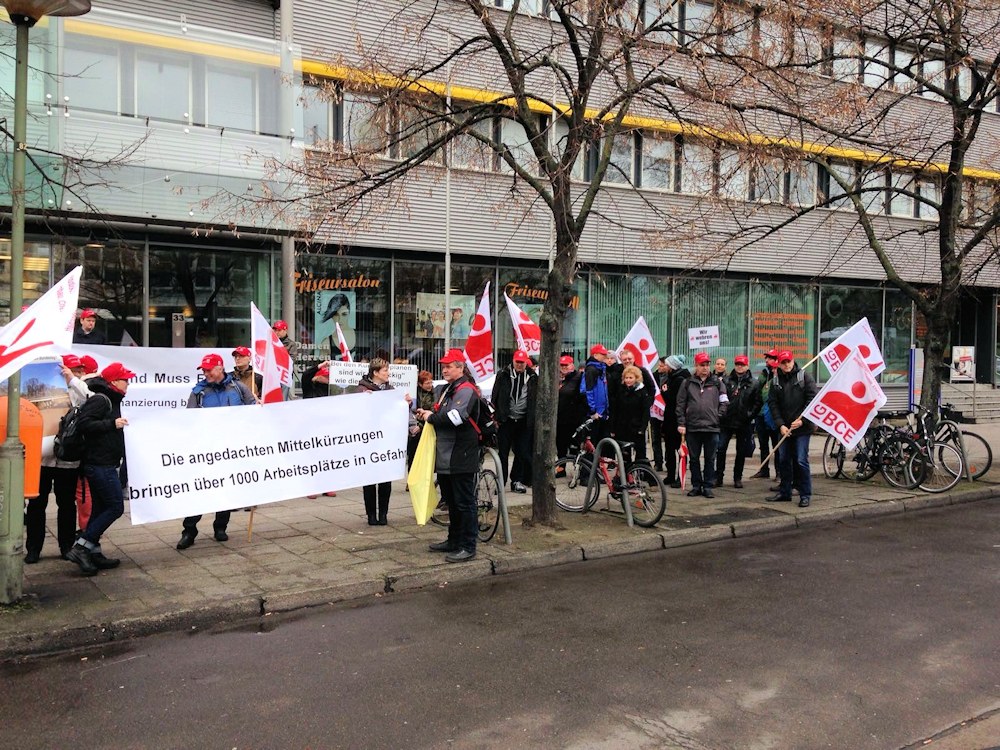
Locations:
{"points": [[311, 552]]}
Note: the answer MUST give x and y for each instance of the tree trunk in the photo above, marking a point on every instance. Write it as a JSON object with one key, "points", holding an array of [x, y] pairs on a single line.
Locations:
{"points": [[935, 343]]}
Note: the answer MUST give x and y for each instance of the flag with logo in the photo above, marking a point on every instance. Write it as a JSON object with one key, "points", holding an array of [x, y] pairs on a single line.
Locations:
{"points": [[682, 462], [270, 357], [45, 327], [345, 353], [529, 335], [639, 341], [848, 402], [858, 337], [479, 345]]}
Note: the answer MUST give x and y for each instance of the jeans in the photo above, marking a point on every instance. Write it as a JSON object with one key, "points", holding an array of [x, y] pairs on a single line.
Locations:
{"points": [[793, 462], [515, 435], [709, 443], [108, 501], [64, 482], [459, 493], [767, 439], [743, 451]]}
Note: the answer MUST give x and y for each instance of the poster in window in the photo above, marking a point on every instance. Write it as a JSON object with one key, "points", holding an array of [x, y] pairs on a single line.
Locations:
{"points": [[332, 308], [433, 315]]}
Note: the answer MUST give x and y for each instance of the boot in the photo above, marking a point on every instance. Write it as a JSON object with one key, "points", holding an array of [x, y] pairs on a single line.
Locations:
{"points": [[383, 511], [81, 556], [372, 520]]}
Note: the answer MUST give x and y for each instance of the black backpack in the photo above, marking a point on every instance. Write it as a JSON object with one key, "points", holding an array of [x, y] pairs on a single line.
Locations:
{"points": [[69, 443], [486, 426]]}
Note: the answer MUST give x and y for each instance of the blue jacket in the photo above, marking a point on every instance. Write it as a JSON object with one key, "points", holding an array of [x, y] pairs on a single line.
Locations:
{"points": [[594, 384], [227, 392]]}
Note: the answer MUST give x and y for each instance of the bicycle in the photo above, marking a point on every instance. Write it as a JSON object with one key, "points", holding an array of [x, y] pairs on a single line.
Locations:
{"points": [[487, 501], [578, 482], [945, 464], [884, 449], [975, 450]]}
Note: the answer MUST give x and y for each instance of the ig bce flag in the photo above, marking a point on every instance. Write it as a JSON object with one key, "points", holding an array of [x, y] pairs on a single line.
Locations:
{"points": [[479, 344], [848, 402]]}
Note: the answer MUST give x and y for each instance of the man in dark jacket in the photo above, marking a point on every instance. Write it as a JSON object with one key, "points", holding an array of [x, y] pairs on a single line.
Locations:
{"points": [[101, 423], [218, 388], [86, 332], [701, 405], [572, 409], [744, 404], [791, 391], [514, 394], [766, 437], [456, 456], [677, 373]]}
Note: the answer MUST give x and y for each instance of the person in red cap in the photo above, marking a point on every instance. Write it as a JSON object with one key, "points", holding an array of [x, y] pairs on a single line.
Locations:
{"points": [[767, 431], [744, 406], [217, 388], [243, 372], [101, 423], [572, 407], [514, 393], [86, 332], [280, 329], [701, 404], [456, 458], [791, 392], [594, 387]]}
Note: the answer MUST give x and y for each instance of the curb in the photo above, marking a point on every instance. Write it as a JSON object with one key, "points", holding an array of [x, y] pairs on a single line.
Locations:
{"points": [[21, 646]]}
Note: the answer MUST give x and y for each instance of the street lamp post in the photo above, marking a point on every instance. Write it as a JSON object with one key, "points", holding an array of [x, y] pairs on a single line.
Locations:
{"points": [[23, 14]]}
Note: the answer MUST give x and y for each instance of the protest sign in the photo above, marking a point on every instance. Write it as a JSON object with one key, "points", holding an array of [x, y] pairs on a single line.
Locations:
{"points": [[703, 338], [195, 461], [344, 377]]}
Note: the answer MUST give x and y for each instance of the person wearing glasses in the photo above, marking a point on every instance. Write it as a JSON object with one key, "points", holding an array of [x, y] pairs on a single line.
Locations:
{"points": [[701, 405]]}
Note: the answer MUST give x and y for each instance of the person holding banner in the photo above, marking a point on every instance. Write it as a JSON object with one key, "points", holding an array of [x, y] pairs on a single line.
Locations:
{"points": [[425, 400], [101, 424], [218, 388], [791, 391], [456, 458]]}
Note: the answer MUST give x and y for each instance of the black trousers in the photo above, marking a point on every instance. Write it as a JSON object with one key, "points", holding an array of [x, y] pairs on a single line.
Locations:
{"points": [[515, 435], [658, 438], [220, 523], [743, 451], [459, 493], [382, 490], [64, 482], [671, 444]]}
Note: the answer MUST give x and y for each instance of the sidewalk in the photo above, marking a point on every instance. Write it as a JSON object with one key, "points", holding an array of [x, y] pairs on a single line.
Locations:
{"points": [[314, 552]]}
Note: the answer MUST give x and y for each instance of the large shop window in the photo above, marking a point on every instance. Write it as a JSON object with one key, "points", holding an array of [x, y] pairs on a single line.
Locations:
{"points": [[842, 307], [897, 336], [526, 287], [36, 274], [618, 300], [422, 314], [783, 317], [231, 97], [703, 303], [355, 292]]}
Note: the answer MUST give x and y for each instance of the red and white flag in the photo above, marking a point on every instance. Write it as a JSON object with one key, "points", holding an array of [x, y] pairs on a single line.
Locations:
{"points": [[529, 335], [345, 353], [46, 327], [682, 462], [859, 336], [479, 344], [639, 341], [848, 402], [270, 357]]}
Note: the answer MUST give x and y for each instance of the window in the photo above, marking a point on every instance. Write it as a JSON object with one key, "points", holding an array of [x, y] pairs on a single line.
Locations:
{"points": [[696, 168], [92, 75], [366, 125], [163, 86], [771, 42], [906, 70], [735, 28], [807, 45], [317, 120], [983, 201], [876, 70], [514, 138], [418, 128], [560, 135], [768, 181], [697, 20], [657, 161], [622, 162], [660, 20], [231, 97], [930, 199], [802, 184], [933, 75], [901, 204], [734, 174], [531, 7], [871, 188], [837, 195], [846, 60], [475, 151]]}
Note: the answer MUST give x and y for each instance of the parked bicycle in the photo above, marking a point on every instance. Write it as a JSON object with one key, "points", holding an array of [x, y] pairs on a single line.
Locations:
{"points": [[884, 449], [579, 482], [975, 450], [487, 499]]}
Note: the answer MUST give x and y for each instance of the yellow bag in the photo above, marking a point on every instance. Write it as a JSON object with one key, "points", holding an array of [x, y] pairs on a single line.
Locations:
{"points": [[423, 493]]}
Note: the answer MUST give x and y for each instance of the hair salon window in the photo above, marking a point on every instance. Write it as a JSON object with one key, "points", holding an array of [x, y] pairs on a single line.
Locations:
{"points": [[421, 314]]}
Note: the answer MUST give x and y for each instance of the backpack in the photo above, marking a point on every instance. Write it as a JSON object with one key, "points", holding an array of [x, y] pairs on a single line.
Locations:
{"points": [[69, 443], [486, 427]]}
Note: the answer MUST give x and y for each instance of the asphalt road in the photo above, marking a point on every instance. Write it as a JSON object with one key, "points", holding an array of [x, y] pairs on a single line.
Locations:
{"points": [[861, 635]]}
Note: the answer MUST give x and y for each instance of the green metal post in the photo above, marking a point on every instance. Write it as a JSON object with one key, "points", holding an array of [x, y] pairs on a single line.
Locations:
{"points": [[12, 451]]}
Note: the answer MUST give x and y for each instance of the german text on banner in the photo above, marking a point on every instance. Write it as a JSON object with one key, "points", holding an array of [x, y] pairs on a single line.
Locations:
{"points": [[858, 337], [344, 377], [527, 332], [479, 344], [848, 402], [639, 341], [185, 463], [44, 328]]}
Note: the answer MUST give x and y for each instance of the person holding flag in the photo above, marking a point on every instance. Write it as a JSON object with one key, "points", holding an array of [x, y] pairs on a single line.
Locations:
{"points": [[791, 391]]}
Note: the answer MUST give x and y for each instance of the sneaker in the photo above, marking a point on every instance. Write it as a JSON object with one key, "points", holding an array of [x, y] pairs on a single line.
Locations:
{"points": [[696, 492], [738, 484], [676, 484], [779, 499], [519, 488], [31, 557], [81, 556], [804, 502], [104, 563], [707, 492], [762, 474]]}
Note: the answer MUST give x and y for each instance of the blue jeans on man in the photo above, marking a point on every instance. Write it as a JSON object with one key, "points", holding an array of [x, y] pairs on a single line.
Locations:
{"points": [[793, 462], [702, 482], [108, 501]]}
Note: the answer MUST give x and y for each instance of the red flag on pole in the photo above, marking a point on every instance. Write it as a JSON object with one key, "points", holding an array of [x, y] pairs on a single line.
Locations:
{"points": [[479, 344], [529, 335], [345, 353], [270, 358]]}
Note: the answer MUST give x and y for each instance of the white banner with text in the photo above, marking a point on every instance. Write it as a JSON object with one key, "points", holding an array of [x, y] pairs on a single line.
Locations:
{"points": [[194, 461], [344, 376]]}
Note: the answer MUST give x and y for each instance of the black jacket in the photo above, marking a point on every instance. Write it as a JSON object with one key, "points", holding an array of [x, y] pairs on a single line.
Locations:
{"points": [[501, 395], [572, 404], [630, 411], [457, 450], [674, 380], [701, 404], [616, 388], [789, 396], [95, 337], [104, 444], [744, 400]]}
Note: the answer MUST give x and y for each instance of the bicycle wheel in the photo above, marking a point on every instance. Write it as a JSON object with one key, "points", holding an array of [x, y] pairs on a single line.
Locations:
{"points": [[902, 464], [488, 504], [978, 454], [855, 462], [833, 457], [944, 467], [646, 495], [571, 479]]}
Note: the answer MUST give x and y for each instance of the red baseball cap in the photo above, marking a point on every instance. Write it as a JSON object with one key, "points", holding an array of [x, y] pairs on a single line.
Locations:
{"points": [[87, 313], [209, 361], [771, 354], [117, 371], [742, 359], [598, 349], [701, 358], [280, 325], [452, 355], [89, 364], [565, 360], [785, 356], [71, 361], [522, 356], [241, 351]]}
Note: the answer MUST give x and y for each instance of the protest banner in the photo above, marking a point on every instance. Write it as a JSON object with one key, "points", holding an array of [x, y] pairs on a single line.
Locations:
{"points": [[270, 358], [848, 402], [344, 377], [858, 337], [195, 461], [526, 331]]}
